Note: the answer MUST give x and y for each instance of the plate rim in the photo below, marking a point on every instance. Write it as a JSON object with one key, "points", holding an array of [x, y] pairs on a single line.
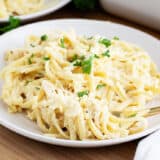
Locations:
{"points": [[76, 143], [39, 13]]}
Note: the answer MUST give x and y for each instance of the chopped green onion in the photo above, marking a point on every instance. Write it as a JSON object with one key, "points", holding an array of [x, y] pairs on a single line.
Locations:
{"points": [[106, 53], [116, 38], [82, 93], [132, 115], [96, 56], [100, 86], [82, 57], [87, 65], [46, 58], [37, 88], [30, 59], [44, 37], [74, 58], [78, 63], [89, 48], [62, 43], [105, 42]]}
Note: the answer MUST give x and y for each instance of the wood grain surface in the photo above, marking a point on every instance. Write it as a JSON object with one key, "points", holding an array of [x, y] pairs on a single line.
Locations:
{"points": [[15, 147]]}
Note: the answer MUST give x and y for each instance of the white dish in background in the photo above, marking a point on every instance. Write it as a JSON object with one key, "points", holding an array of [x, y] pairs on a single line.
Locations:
{"points": [[141, 11], [20, 124], [49, 7]]}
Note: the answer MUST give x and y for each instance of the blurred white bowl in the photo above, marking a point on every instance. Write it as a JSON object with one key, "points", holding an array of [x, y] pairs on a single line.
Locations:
{"points": [[142, 11]]}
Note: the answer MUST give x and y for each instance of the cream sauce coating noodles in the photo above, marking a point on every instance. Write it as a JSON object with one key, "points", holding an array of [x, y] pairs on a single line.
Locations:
{"points": [[71, 85], [19, 7]]}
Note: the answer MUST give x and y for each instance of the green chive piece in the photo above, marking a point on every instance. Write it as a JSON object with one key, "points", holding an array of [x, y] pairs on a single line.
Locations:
{"points": [[82, 57], [78, 63], [116, 38], [96, 56], [30, 59], [82, 93], [106, 53], [100, 86], [62, 43], [74, 58], [37, 88], [132, 115], [44, 37], [105, 42], [46, 58], [87, 65], [89, 48]]}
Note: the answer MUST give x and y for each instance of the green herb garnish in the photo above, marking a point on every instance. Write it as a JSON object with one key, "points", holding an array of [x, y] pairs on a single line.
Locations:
{"points": [[30, 59], [13, 23], [132, 115], [46, 58], [100, 86], [96, 56], [62, 43], [82, 57], [44, 37], [89, 48], [106, 53], [82, 93], [74, 58], [37, 88], [105, 42], [116, 38], [78, 63], [77, 60], [87, 65]]}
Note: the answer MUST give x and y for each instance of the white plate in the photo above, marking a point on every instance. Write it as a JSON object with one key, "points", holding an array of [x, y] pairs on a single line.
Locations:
{"points": [[49, 7], [21, 125]]}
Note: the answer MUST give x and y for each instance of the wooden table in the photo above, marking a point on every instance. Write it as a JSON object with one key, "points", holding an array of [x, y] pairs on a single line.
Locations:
{"points": [[15, 147]]}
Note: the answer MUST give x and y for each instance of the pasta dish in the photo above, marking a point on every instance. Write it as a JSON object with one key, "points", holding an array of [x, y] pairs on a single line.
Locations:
{"points": [[19, 7], [78, 87]]}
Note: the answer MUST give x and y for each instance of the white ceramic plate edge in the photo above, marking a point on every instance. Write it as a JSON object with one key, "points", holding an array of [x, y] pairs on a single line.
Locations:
{"points": [[74, 143]]}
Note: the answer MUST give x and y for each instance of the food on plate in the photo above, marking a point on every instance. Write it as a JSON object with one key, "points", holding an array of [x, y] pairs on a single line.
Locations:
{"points": [[71, 85], [19, 7]]}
